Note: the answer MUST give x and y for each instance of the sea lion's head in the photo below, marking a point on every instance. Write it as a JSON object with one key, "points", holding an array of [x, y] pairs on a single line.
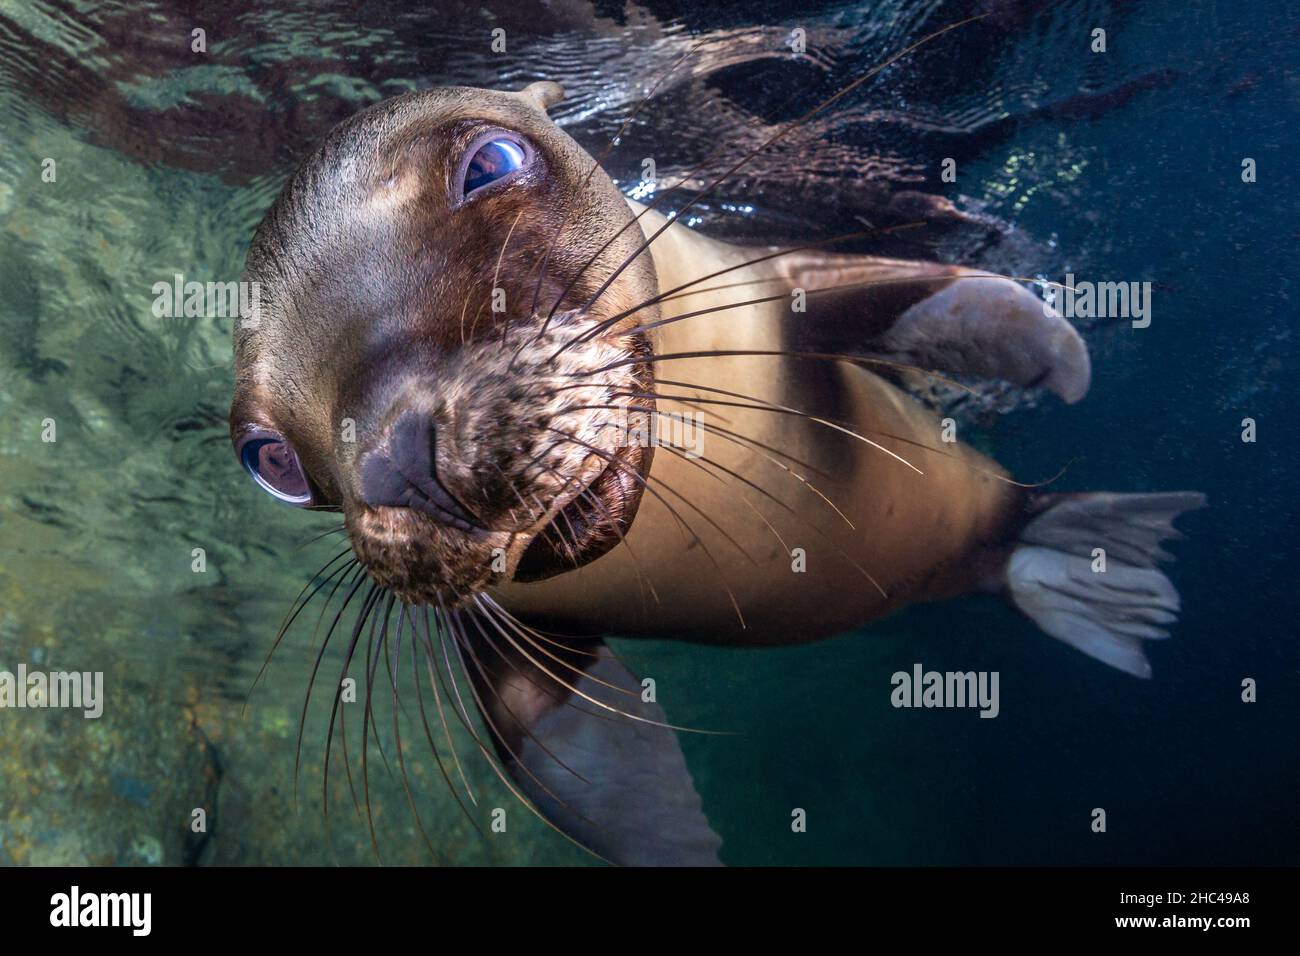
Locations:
{"points": [[427, 355]]}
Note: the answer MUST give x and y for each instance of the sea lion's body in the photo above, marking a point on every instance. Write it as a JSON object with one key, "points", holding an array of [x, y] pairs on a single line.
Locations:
{"points": [[474, 451], [919, 536]]}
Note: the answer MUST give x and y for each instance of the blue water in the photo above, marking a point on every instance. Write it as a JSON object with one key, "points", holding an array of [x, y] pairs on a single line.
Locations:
{"points": [[1116, 166]]}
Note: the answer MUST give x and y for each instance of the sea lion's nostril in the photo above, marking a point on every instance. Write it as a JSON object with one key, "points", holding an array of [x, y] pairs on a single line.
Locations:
{"points": [[402, 473]]}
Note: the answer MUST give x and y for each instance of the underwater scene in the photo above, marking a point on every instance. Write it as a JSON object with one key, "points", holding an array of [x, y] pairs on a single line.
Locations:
{"points": [[1005, 673]]}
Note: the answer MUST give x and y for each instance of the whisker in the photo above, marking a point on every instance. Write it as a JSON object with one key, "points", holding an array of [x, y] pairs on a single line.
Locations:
{"points": [[374, 649], [774, 406], [294, 610], [596, 701], [550, 248], [498, 617], [839, 287], [521, 631], [778, 408], [679, 291], [462, 646], [342, 716], [464, 712], [767, 494], [428, 731], [485, 750], [431, 665], [372, 661], [368, 605], [547, 637], [560, 699], [358, 573], [324, 534], [397, 732], [302, 721], [742, 441], [645, 483]]}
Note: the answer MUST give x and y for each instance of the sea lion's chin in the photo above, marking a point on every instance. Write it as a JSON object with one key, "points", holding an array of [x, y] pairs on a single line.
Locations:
{"points": [[422, 560]]}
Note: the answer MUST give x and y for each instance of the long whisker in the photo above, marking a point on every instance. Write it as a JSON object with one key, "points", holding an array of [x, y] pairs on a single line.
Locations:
{"points": [[486, 752], [642, 480], [462, 646], [358, 572], [317, 537], [484, 614], [373, 651], [334, 711], [499, 617], [774, 406], [320, 656], [294, 610], [767, 494], [609, 148], [743, 441], [680, 290], [397, 732], [753, 445], [428, 731], [596, 701], [862, 284], [489, 605], [765, 405], [495, 615], [367, 713], [521, 631], [645, 483], [431, 665]]}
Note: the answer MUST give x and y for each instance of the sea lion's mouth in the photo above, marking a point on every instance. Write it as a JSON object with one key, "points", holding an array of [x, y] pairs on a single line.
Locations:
{"points": [[424, 559], [595, 519]]}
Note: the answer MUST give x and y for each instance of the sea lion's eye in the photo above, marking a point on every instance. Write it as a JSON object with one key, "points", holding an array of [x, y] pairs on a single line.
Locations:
{"points": [[491, 160], [274, 465]]}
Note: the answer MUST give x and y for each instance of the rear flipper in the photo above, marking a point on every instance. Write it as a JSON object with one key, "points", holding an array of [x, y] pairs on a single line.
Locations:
{"points": [[1054, 574]]}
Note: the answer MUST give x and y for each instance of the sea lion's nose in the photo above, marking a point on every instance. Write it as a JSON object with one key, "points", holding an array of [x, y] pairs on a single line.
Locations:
{"points": [[402, 473]]}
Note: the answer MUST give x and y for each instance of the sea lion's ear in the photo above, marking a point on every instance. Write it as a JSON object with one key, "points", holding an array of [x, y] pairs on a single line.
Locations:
{"points": [[543, 94], [616, 784]]}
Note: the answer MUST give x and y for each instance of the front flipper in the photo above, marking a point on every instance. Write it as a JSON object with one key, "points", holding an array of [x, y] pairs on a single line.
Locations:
{"points": [[618, 786], [937, 317]]}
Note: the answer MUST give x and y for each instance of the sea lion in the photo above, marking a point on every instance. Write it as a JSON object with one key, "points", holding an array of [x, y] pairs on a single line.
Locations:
{"points": [[462, 323]]}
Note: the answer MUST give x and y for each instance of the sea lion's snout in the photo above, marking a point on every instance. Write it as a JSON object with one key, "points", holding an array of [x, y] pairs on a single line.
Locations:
{"points": [[485, 463], [403, 473]]}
